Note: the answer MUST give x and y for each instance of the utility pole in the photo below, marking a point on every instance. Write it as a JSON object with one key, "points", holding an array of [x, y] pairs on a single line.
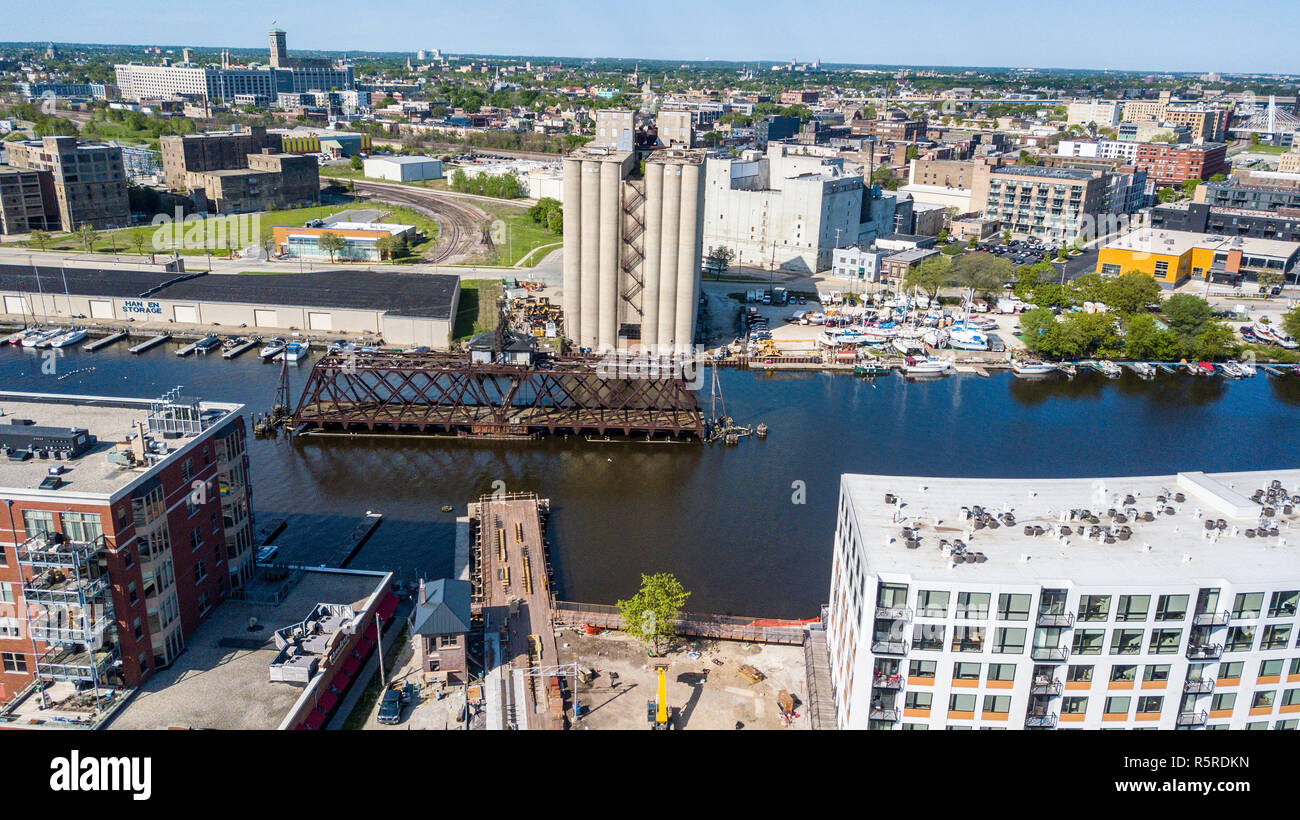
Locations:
{"points": [[379, 649]]}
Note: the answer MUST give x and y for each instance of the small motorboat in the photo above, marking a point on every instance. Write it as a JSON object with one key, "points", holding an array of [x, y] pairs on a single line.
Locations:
{"points": [[1028, 368], [1144, 370], [1107, 368], [296, 351], [272, 349], [342, 346], [207, 344], [927, 366], [1207, 368], [871, 369], [1069, 370]]}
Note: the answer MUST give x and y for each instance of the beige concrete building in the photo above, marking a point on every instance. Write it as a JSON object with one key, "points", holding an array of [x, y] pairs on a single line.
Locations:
{"points": [[1289, 163], [632, 246], [88, 182], [1054, 205]]}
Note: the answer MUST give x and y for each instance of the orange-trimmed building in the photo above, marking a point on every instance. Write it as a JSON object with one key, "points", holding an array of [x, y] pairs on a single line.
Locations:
{"points": [[1173, 257]]}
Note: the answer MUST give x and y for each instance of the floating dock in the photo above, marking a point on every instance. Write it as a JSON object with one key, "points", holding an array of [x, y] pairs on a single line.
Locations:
{"points": [[91, 347], [238, 349], [150, 343]]}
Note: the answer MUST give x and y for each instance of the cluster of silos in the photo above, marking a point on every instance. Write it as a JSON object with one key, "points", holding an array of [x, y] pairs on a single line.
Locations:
{"points": [[616, 273], [674, 246]]}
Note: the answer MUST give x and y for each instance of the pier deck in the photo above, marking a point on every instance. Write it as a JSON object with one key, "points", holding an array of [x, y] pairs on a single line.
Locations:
{"points": [[512, 590]]}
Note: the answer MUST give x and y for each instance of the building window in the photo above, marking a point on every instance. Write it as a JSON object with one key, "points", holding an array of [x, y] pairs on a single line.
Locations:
{"points": [[921, 669], [1276, 636], [1283, 604], [1263, 700], [14, 661], [1271, 667], [928, 637], [1074, 705], [1171, 608], [1013, 607], [1150, 704], [973, 605], [1118, 705], [1247, 604], [1126, 642], [932, 604], [1088, 641], [1078, 674], [81, 528], [968, 639], [1001, 672], [918, 700], [1156, 672], [997, 704], [1133, 607], [1223, 701], [1165, 641], [1094, 607], [38, 523], [1009, 641], [1123, 674], [1240, 639], [961, 703]]}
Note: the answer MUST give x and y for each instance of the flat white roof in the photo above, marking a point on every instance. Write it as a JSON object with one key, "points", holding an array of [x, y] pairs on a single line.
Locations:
{"points": [[386, 227], [1175, 546], [403, 160], [1176, 243]]}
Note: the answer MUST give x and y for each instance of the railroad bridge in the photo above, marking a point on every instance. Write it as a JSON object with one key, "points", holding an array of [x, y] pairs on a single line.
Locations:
{"points": [[410, 392]]}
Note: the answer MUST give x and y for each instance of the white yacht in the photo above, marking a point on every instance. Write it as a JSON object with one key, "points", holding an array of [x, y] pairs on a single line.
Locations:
{"points": [[964, 338], [296, 351], [69, 337], [42, 338], [927, 366], [272, 348], [1028, 367]]}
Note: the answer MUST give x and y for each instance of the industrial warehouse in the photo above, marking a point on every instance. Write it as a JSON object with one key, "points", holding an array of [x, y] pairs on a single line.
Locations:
{"points": [[403, 308]]}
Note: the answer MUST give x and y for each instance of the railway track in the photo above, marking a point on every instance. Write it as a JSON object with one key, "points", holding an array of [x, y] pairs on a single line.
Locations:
{"points": [[461, 226]]}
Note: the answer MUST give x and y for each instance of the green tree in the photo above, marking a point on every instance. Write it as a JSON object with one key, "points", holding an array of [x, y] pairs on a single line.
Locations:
{"points": [[931, 274], [1166, 195], [1291, 322], [331, 243], [1130, 292], [1269, 279], [86, 233], [139, 241], [1216, 343], [1145, 340], [981, 272], [719, 258], [1187, 315], [650, 615], [40, 239], [1090, 287], [884, 177], [356, 163]]}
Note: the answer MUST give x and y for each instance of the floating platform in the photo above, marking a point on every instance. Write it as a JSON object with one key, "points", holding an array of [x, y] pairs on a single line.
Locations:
{"points": [[150, 343], [239, 349], [91, 347]]}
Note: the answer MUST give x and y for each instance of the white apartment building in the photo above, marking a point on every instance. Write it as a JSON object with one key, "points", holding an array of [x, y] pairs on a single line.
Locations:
{"points": [[857, 262], [1100, 149], [1105, 113], [1157, 602], [787, 209]]}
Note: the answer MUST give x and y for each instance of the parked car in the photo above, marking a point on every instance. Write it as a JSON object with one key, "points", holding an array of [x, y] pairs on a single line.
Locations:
{"points": [[996, 345], [390, 708], [267, 554]]}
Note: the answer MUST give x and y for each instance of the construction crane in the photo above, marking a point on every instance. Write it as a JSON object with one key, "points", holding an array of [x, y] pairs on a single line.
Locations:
{"points": [[657, 710]]}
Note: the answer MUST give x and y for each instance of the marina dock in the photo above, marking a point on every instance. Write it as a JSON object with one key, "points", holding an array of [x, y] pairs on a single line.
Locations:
{"points": [[91, 347], [150, 343], [239, 349]]}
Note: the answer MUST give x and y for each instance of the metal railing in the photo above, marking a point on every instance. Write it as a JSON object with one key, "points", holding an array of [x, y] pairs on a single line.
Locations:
{"points": [[889, 647], [1204, 651], [75, 666], [84, 632], [1046, 686], [1212, 618], [1046, 720], [879, 713], [1198, 687], [894, 681], [64, 593], [1057, 654], [896, 613], [1192, 718], [1059, 619], [41, 551]]}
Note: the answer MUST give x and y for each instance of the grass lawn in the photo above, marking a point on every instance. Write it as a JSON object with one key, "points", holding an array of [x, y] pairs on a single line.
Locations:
{"points": [[146, 239], [1265, 149], [477, 311]]}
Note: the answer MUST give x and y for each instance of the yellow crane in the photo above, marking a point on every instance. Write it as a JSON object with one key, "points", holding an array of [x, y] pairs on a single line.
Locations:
{"points": [[657, 709]]}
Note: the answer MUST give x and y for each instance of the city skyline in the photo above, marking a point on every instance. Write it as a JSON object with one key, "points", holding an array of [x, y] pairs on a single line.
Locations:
{"points": [[1020, 37]]}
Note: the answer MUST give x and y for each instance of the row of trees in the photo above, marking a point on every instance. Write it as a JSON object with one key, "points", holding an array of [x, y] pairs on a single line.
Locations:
{"points": [[501, 186], [1188, 331]]}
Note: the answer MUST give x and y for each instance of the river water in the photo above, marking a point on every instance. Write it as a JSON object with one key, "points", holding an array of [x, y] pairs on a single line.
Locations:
{"points": [[747, 529]]}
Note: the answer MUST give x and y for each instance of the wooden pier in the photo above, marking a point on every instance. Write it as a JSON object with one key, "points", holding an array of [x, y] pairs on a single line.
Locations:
{"points": [[150, 343], [239, 349], [91, 347], [694, 625]]}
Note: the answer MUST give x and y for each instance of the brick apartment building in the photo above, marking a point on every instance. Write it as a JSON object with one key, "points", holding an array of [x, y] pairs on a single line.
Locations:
{"points": [[27, 201], [799, 96], [107, 566], [1175, 164], [87, 182]]}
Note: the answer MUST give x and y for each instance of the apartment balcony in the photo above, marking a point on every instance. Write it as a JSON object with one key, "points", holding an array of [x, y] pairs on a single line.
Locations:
{"points": [[1040, 720], [78, 630], [892, 681], [1212, 618], [894, 613], [1058, 654], [1059, 619], [1050, 687], [52, 552], [1192, 718], [76, 663], [883, 713], [889, 647], [1199, 687], [59, 590], [1204, 652]]}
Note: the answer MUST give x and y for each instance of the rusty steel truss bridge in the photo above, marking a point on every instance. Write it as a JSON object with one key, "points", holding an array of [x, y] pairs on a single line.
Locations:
{"points": [[440, 392]]}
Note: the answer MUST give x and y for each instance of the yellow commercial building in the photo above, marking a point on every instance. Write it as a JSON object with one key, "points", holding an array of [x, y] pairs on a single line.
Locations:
{"points": [[1173, 257]]}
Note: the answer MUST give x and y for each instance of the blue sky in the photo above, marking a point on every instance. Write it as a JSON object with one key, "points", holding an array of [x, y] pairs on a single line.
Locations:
{"points": [[1150, 35]]}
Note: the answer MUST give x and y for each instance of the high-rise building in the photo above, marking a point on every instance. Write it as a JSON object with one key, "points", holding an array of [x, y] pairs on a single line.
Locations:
{"points": [[633, 245], [88, 181], [1161, 602], [27, 201], [1035, 202], [125, 522]]}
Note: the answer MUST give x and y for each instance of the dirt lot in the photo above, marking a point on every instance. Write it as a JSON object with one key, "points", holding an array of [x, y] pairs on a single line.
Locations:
{"points": [[702, 693], [427, 711]]}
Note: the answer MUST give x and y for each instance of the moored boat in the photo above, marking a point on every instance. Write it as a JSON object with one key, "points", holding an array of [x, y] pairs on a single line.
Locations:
{"points": [[272, 348], [296, 351], [927, 366], [1027, 368]]}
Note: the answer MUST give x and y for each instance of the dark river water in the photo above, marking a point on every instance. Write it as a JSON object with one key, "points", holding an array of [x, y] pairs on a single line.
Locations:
{"points": [[724, 520]]}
